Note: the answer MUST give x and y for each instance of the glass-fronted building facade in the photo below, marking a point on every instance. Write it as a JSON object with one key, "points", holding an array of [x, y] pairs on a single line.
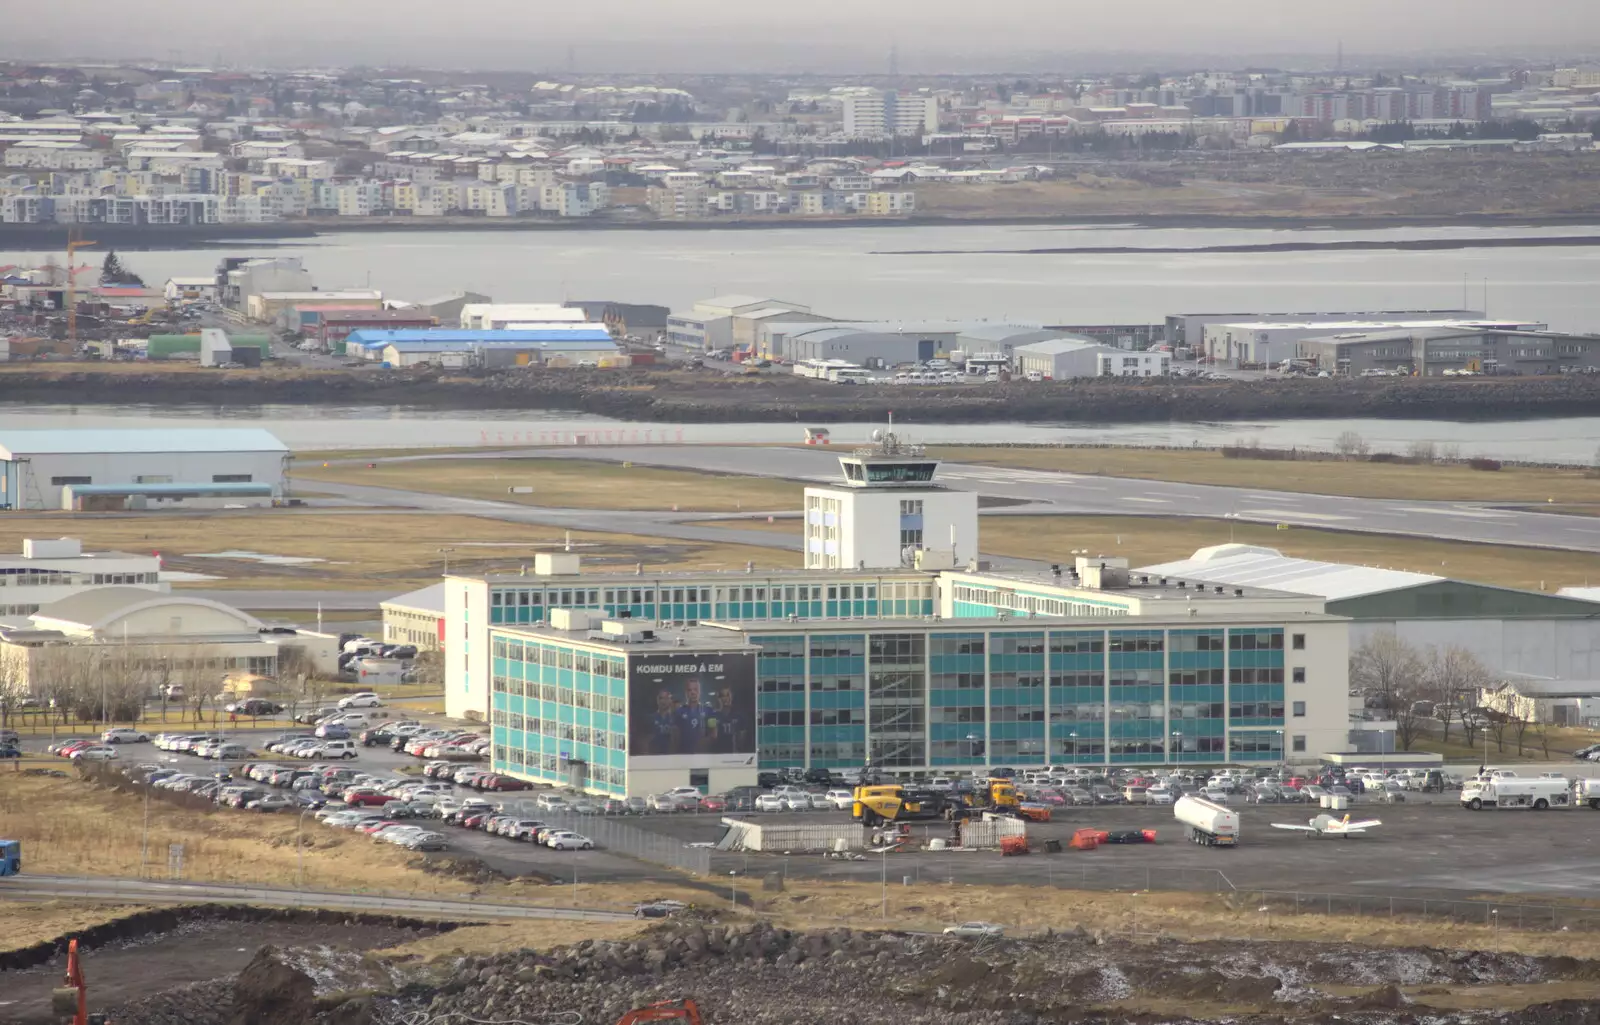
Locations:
{"points": [[1021, 693], [685, 599], [555, 705]]}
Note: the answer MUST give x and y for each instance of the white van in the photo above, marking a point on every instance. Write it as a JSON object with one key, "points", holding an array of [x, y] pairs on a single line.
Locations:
{"points": [[551, 802], [335, 749]]}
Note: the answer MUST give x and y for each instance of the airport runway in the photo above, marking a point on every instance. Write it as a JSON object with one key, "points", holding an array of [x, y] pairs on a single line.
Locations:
{"points": [[1082, 494]]}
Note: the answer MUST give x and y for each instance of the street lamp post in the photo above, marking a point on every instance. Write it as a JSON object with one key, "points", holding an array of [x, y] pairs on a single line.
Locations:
{"points": [[972, 745], [446, 553], [300, 850], [1177, 746], [1073, 736]]}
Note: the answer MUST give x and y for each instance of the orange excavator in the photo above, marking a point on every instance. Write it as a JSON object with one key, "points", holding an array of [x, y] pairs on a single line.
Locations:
{"points": [[666, 1010], [73, 996]]}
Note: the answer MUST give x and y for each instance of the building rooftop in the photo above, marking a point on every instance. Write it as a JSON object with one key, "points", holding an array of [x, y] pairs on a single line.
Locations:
{"points": [[662, 638], [94, 441], [427, 599], [760, 575], [379, 337], [1144, 584], [1253, 566]]}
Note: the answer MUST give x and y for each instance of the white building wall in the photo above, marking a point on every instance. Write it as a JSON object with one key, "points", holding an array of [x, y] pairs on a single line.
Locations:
{"points": [[40, 481], [863, 529], [1561, 649], [466, 662]]}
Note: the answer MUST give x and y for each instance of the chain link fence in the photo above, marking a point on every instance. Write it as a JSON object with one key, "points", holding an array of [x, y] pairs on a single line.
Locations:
{"points": [[617, 835]]}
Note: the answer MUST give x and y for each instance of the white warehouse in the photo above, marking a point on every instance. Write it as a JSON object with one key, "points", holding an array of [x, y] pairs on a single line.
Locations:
{"points": [[47, 469]]}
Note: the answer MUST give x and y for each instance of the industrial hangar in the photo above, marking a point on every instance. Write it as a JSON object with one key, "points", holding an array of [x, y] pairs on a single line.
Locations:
{"points": [[89, 470]]}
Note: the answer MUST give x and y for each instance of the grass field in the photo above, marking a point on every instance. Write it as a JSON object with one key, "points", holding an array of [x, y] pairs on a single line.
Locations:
{"points": [[1146, 540], [370, 552], [568, 484], [30, 922], [1442, 482], [1149, 540]]}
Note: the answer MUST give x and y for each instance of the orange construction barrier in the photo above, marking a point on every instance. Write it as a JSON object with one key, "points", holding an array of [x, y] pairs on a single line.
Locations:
{"points": [[1010, 845], [1085, 840]]}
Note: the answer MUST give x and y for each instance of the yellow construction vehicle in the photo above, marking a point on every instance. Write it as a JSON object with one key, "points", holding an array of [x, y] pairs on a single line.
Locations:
{"points": [[892, 802], [996, 794]]}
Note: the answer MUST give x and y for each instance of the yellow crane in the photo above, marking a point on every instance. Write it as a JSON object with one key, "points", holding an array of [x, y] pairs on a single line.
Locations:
{"points": [[75, 242]]}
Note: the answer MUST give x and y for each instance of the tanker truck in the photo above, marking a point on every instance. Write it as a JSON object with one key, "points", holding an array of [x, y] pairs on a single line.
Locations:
{"points": [[1208, 823]]}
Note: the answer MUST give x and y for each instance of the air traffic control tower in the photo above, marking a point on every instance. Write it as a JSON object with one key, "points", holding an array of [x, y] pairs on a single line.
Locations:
{"points": [[888, 513]]}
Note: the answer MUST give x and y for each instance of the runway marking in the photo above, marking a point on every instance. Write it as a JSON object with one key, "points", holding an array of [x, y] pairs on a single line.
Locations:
{"points": [[1292, 514], [1154, 501], [1483, 514]]}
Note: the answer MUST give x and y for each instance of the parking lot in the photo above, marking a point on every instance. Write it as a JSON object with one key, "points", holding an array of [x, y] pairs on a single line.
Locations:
{"points": [[1427, 846], [1423, 849]]}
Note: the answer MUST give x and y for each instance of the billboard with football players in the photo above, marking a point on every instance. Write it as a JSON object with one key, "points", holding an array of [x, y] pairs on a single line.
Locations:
{"points": [[692, 710]]}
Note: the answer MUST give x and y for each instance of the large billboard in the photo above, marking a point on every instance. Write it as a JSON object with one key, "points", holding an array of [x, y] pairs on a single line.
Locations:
{"points": [[692, 710]]}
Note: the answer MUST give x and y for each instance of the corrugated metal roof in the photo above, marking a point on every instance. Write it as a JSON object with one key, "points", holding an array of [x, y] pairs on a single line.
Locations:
{"points": [[558, 345], [201, 488], [1252, 566], [14, 443]]}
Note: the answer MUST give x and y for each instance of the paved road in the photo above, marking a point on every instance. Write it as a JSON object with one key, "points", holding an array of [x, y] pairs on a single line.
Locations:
{"points": [[151, 892], [329, 601]]}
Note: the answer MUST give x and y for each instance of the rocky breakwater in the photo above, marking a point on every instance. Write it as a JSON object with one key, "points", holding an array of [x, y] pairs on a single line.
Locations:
{"points": [[672, 396]]}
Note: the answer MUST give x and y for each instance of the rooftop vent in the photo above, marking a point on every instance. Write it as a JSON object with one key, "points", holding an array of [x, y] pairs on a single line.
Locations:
{"points": [[1238, 592]]}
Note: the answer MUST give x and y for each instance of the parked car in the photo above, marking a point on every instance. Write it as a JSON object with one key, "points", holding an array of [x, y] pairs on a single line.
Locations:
{"points": [[333, 731], [770, 802], [93, 753], [253, 707], [365, 699], [271, 803], [566, 840], [975, 930], [840, 799], [124, 735]]}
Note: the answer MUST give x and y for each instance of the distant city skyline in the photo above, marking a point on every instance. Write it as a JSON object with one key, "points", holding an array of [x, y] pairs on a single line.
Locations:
{"points": [[827, 36]]}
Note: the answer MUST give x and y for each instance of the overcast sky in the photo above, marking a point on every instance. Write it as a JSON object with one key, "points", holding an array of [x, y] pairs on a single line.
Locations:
{"points": [[831, 35]]}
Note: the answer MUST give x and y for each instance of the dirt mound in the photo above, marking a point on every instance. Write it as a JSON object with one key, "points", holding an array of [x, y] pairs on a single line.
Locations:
{"points": [[269, 992]]}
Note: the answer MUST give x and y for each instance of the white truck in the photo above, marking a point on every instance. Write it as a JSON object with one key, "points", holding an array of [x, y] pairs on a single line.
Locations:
{"points": [[1589, 793], [1513, 792], [1209, 823]]}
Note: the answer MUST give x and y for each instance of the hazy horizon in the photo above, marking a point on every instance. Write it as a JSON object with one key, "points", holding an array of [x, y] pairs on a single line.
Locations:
{"points": [[825, 35]]}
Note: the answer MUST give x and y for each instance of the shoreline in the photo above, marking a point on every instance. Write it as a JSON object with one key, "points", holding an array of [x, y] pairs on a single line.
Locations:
{"points": [[29, 236], [655, 396]]}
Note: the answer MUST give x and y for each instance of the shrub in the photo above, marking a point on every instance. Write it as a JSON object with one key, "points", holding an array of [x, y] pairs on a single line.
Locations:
{"points": [[1480, 463]]}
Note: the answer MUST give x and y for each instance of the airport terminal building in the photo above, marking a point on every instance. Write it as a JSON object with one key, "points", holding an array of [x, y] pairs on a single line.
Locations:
{"points": [[626, 683]]}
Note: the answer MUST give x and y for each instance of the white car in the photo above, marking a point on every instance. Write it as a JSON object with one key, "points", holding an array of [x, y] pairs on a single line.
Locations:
{"points": [[566, 840], [1158, 795], [797, 802], [94, 754], [124, 735], [366, 699], [770, 802], [842, 800], [1215, 796], [975, 930]]}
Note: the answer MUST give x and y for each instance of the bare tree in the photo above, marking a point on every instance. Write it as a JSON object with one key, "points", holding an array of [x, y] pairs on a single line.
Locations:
{"points": [[1454, 674], [1421, 452], [1541, 733], [1351, 445], [1497, 726], [1387, 672]]}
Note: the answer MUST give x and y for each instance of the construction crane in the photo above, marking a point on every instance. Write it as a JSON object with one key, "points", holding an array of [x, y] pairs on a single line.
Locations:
{"points": [[75, 242], [667, 1010], [73, 996]]}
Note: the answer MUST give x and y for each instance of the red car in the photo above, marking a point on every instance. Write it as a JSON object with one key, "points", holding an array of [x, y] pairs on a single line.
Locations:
{"points": [[365, 797], [712, 802], [372, 827], [66, 750], [504, 783], [474, 820]]}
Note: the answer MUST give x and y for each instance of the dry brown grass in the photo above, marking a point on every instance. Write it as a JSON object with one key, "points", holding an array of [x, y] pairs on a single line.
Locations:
{"points": [[568, 484], [30, 922], [78, 829], [366, 551], [1444, 482], [932, 906], [1149, 540]]}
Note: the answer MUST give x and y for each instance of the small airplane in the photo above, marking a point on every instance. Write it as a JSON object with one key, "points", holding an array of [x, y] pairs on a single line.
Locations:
{"points": [[1327, 825]]}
